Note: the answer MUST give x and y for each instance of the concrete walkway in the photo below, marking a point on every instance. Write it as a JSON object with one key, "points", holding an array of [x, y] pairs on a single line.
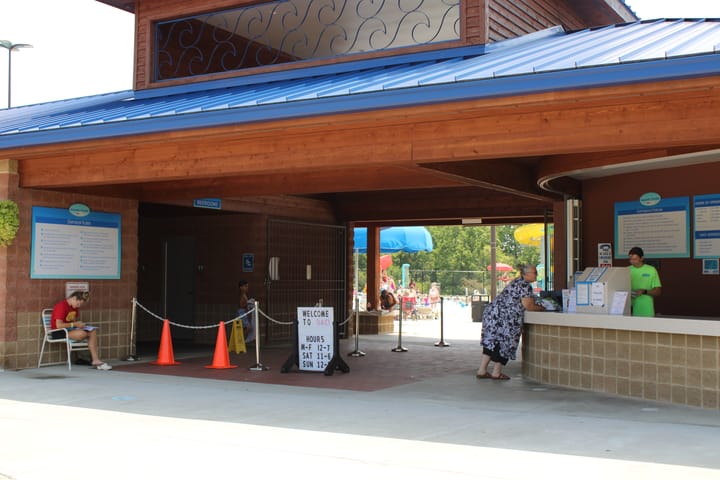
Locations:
{"points": [[119, 425]]}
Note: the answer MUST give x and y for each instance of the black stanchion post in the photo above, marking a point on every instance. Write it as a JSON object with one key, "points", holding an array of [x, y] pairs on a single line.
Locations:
{"points": [[442, 342], [399, 347], [294, 358], [336, 362]]}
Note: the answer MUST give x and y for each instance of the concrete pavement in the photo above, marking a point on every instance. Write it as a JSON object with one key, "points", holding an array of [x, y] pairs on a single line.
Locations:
{"points": [[117, 425]]}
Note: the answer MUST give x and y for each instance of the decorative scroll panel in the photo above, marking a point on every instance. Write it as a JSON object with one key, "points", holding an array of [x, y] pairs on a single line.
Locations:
{"points": [[293, 30]]}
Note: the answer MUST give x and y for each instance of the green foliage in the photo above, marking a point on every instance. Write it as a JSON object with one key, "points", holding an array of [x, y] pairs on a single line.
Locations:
{"points": [[520, 254], [459, 259], [9, 222]]}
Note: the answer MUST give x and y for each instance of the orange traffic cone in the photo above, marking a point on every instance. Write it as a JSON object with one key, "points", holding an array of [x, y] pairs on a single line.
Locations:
{"points": [[165, 354], [221, 359]]}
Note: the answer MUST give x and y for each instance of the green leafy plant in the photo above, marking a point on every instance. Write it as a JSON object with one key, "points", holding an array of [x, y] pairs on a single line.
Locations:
{"points": [[9, 222]]}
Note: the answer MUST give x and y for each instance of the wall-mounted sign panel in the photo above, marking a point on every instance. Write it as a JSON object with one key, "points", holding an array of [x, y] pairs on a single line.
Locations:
{"points": [[68, 244], [707, 226], [212, 203], [661, 228], [248, 262]]}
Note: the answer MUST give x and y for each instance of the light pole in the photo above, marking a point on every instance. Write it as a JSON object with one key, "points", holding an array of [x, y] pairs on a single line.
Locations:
{"points": [[10, 48]]}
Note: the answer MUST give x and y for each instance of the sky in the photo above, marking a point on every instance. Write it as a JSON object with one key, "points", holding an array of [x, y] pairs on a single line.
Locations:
{"points": [[84, 47]]}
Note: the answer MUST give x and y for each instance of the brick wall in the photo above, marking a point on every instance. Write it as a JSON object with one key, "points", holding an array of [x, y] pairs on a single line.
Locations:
{"points": [[22, 298]]}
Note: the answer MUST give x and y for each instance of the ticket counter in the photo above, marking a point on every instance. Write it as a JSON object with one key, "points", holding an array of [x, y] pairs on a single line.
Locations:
{"points": [[672, 360]]}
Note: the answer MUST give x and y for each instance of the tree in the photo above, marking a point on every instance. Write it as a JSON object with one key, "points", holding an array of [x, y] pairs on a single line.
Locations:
{"points": [[459, 258], [519, 254]]}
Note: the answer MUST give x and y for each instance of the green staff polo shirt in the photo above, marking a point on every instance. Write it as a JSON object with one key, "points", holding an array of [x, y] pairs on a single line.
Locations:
{"points": [[643, 278]]}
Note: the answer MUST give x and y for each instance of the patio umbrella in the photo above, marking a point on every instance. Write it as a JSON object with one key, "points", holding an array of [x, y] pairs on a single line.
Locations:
{"points": [[385, 261], [501, 267], [396, 239], [530, 234], [392, 239]]}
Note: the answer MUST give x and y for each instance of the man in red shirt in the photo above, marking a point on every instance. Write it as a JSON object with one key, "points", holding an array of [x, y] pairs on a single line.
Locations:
{"points": [[66, 315]]}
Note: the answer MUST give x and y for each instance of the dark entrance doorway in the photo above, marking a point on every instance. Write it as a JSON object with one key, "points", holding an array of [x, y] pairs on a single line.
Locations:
{"points": [[179, 284]]}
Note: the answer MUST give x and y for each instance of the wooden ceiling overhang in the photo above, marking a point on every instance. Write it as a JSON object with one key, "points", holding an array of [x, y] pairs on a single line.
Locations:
{"points": [[503, 158]]}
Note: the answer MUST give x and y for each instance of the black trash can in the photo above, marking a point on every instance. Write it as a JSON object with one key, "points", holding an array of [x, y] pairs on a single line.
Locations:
{"points": [[477, 308]]}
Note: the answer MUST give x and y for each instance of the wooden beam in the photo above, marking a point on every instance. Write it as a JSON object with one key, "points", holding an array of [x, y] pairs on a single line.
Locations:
{"points": [[437, 205], [500, 175], [664, 115], [279, 206], [341, 179]]}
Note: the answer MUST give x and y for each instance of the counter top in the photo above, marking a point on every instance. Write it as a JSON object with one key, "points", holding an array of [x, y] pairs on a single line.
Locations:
{"points": [[689, 326]]}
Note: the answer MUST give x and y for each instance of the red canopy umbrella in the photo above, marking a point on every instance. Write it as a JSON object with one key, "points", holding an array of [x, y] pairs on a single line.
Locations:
{"points": [[385, 261], [501, 267]]}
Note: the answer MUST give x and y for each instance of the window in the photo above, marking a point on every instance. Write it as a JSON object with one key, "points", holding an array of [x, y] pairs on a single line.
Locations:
{"points": [[293, 30]]}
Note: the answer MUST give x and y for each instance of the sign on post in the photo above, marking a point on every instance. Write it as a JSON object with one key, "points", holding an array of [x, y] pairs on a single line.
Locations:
{"points": [[315, 338]]}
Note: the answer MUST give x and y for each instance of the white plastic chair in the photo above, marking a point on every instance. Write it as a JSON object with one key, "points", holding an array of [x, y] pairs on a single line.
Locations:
{"points": [[70, 344]]}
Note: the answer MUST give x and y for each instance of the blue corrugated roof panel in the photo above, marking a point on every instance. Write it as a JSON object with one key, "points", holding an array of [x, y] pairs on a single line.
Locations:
{"points": [[667, 49]]}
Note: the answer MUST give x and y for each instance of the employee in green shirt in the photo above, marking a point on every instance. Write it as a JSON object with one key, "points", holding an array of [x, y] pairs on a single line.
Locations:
{"points": [[644, 283]]}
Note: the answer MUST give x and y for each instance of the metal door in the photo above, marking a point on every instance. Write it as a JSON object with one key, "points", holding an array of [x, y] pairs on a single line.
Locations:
{"points": [[179, 285]]}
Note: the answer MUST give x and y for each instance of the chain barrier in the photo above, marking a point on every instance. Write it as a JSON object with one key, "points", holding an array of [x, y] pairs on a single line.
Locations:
{"points": [[350, 317], [273, 320], [193, 327], [220, 348], [227, 322]]}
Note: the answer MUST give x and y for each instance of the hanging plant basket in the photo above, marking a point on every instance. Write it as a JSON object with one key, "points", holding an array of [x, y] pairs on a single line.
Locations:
{"points": [[9, 222]]}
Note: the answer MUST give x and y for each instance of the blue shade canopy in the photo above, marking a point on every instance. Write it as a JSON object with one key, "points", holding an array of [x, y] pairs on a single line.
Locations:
{"points": [[396, 239]]}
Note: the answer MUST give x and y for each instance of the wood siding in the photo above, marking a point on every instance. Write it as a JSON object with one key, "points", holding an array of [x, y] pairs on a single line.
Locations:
{"points": [[511, 19], [22, 298], [685, 290], [482, 21]]}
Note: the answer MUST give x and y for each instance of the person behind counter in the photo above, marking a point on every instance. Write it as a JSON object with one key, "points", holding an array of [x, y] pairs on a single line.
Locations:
{"points": [[502, 323], [644, 283]]}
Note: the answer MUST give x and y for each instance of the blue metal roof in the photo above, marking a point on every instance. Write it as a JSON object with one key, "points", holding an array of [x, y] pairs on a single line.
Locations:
{"points": [[549, 60]]}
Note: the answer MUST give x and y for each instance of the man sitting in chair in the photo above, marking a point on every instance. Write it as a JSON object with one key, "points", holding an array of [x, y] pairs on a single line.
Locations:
{"points": [[65, 315]]}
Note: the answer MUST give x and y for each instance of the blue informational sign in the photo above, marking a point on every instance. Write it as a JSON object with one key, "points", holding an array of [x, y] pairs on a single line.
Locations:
{"points": [[213, 203], [248, 262], [661, 227], [75, 243], [707, 226]]}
